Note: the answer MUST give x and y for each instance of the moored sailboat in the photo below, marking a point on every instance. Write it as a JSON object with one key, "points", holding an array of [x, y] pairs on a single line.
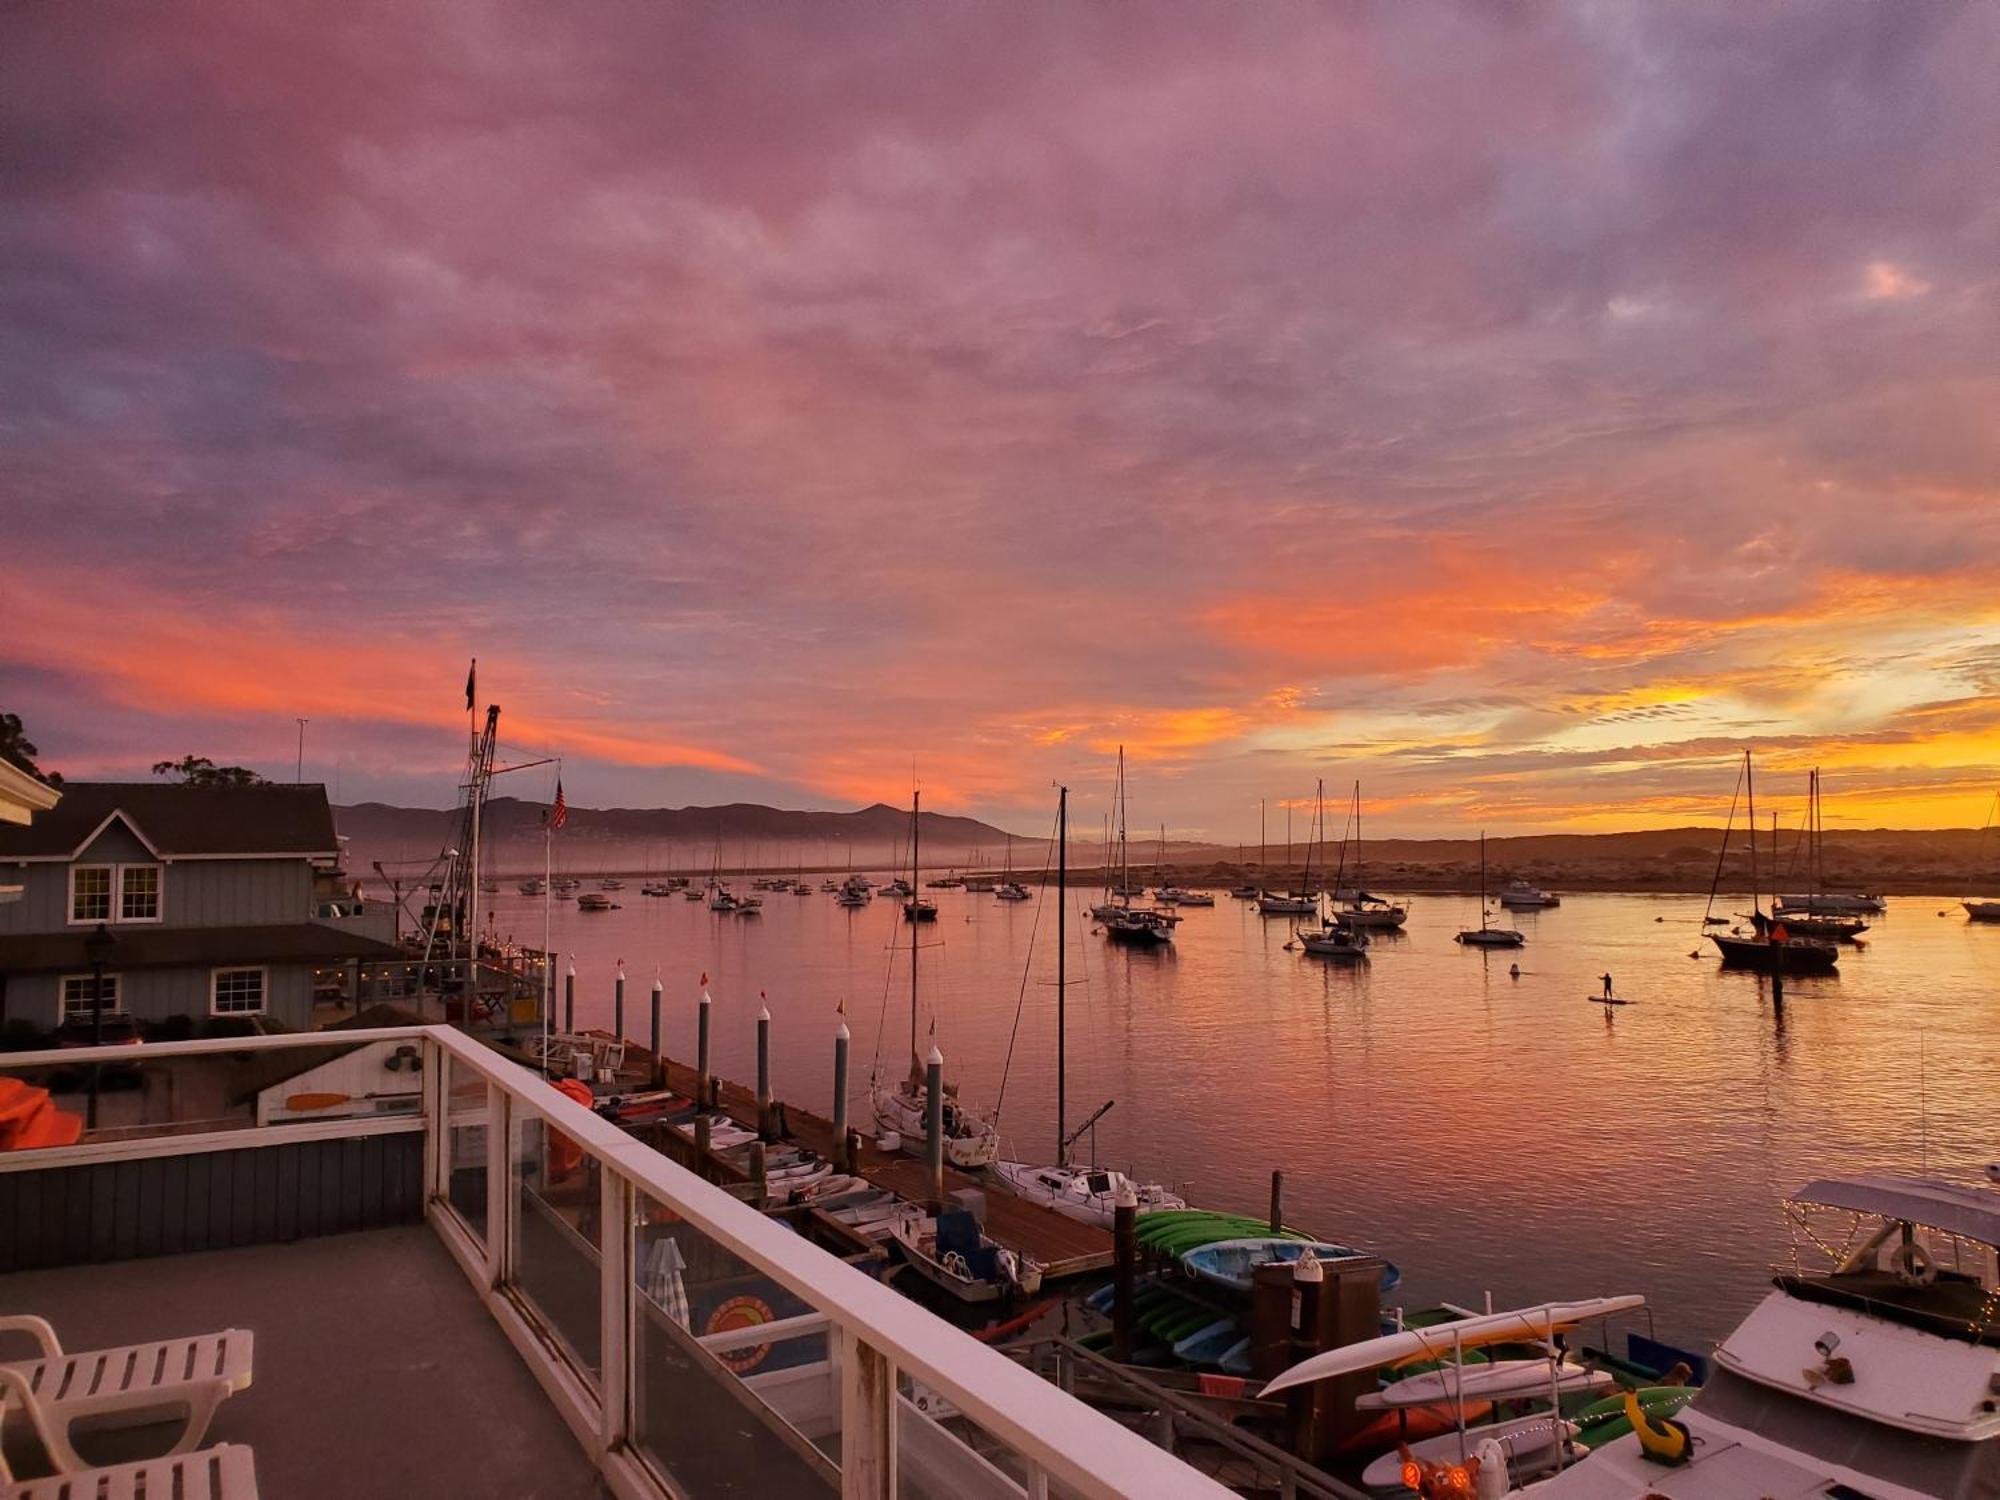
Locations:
{"points": [[1485, 936]]}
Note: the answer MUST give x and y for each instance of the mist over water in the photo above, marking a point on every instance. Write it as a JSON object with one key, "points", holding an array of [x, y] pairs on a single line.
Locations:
{"points": [[1485, 1132]]}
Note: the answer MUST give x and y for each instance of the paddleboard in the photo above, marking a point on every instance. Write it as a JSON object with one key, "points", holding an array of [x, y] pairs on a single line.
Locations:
{"points": [[1540, 1322], [1501, 1380], [1609, 1000]]}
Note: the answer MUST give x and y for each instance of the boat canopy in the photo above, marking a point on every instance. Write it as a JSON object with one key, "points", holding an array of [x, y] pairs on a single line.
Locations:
{"points": [[1970, 1213]]}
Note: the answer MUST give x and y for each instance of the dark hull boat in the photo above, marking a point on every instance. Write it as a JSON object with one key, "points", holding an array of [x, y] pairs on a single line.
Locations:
{"points": [[1794, 956]]}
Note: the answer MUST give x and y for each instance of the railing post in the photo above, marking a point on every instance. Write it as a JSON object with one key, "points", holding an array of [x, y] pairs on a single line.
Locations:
{"points": [[617, 1343], [437, 1123], [499, 1185], [867, 1421]]}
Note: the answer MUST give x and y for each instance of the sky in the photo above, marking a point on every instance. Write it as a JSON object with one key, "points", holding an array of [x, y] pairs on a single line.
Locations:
{"points": [[1517, 408]]}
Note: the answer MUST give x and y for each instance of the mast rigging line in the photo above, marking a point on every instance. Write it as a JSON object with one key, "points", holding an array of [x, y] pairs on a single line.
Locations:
{"points": [[1020, 999]]}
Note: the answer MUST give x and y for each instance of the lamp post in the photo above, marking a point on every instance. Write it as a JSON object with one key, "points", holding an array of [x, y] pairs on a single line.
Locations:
{"points": [[97, 950]]}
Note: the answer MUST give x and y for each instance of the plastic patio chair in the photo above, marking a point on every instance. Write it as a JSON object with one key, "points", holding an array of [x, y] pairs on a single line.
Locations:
{"points": [[136, 1384], [224, 1472]]}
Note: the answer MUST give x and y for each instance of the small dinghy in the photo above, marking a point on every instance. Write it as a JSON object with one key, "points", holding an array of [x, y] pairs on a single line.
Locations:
{"points": [[952, 1252], [1229, 1263]]}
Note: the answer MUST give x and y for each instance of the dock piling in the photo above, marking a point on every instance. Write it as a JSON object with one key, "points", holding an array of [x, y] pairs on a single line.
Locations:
{"points": [[569, 1002], [1277, 1202], [934, 1126], [764, 1073], [618, 1008], [704, 1084], [1125, 1260], [843, 1158], [659, 1059]]}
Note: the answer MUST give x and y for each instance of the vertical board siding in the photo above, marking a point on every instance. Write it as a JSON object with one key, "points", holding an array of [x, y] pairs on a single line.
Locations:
{"points": [[213, 1200]]}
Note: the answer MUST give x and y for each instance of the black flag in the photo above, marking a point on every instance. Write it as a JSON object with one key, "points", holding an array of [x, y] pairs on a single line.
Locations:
{"points": [[471, 678]]}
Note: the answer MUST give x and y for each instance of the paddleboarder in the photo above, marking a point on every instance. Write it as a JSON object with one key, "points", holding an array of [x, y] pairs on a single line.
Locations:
{"points": [[1607, 985]]}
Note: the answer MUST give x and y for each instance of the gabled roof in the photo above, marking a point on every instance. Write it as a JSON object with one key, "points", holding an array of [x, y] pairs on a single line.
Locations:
{"points": [[181, 822], [1971, 1212]]}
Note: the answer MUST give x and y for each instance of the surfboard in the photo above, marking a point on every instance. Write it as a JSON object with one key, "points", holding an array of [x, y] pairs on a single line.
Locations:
{"points": [[1500, 1380], [1609, 1000]]}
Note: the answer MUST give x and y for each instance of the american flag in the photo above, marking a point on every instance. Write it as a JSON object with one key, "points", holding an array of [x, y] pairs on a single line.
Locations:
{"points": [[559, 812]]}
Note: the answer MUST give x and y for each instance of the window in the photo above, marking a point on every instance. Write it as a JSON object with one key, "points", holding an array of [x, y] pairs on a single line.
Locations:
{"points": [[236, 992], [138, 893], [90, 893], [78, 1003], [114, 893]]}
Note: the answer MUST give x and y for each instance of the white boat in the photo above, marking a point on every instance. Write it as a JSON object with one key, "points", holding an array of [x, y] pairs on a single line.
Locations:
{"points": [[1086, 1193], [1484, 936], [1291, 904], [1168, 895], [1138, 926], [1831, 904], [1334, 941], [952, 1252], [1012, 890], [611, 883], [1197, 898], [1875, 1376], [969, 1142], [1523, 895], [1354, 908]]}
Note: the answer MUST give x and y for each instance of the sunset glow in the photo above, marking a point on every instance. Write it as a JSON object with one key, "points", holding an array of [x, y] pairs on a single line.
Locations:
{"points": [[1519, 410]]}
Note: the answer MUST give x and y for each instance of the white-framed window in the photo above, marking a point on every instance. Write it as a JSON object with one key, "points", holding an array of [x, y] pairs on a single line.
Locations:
{"points": [[79, 998], [138, 893], [114, 893], [237, 992], [90, 892]]}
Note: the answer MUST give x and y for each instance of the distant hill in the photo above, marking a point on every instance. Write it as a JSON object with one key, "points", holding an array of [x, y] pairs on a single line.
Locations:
{"points": [[636, 839]]}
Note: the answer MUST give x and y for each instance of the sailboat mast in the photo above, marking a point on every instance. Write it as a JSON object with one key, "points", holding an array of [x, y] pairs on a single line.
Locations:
{"points": [[1359, 884], [1482, 880], [1750, 796], [916, 815], [1062, 989], [1124, 864]]}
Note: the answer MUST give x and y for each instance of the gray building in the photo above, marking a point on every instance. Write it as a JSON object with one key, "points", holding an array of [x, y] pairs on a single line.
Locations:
{"points": [[219, 904]]}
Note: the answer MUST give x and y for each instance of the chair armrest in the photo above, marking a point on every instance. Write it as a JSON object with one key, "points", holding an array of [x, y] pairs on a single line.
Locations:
{"points": [[199, 1398], [39, 1327]]}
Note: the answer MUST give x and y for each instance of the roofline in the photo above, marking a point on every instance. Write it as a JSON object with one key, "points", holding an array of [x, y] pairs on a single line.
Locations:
{"points": [[166, 859], [30, 792], [118, 815]]}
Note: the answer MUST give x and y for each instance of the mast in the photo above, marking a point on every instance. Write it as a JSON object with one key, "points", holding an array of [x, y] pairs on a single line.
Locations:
{"points": [[1359, 886], [1482, 880], [916, 813], [1260, 836], [1319, 792], [1062, 956], [1750, 793], [1124, 864]]}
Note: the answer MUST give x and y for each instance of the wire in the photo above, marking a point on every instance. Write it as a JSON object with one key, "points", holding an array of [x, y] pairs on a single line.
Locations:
{"points": [[1027, 966]]}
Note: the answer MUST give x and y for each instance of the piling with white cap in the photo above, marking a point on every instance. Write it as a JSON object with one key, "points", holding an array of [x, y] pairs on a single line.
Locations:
{"points": [[703, 1084], [569, 1001], [659, 1062], [764, 1072], [618, 1007], [842, 1159], [934, 1124], [1125, 1273]]}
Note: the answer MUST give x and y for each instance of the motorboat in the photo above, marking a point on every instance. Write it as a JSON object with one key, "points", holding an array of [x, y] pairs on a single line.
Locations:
{"points": [[656, 888], [952, 1252], [919, 909], [1335, 941], [721, 899], [534, 887], [1287, 904], [1873, 1373], [611, 883], [1168, 895], [1086, 1193], [595, 901], [851, 898], [1523, 895], [749, 906], [1243, 892]]}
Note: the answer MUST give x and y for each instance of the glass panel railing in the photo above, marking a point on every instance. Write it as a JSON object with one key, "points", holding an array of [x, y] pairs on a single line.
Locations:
{"points": [[465, 1119], [556, 1236], [942, 1454], [733, 1390]]}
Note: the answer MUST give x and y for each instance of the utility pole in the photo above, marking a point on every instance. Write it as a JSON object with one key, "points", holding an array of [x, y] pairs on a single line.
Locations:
{"points": [[299, 771]]}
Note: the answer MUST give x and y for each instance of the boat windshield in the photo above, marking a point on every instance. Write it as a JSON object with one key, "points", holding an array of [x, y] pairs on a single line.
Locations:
{"points": [[1929, 1465]]}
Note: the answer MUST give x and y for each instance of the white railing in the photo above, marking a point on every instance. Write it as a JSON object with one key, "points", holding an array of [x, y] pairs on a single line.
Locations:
{"points": [[888, 1363]]}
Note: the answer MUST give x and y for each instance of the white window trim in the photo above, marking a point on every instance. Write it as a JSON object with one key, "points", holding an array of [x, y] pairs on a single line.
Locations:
{"points": [[117, 907], [116, 1008], [263, 983]]}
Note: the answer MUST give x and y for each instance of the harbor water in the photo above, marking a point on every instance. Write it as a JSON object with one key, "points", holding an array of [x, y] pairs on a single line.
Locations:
{"points": [[1489, 1133]]}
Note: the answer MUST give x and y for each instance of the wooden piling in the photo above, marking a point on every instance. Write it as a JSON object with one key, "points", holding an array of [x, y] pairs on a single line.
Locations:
{"points": [[764, 1073], [704, 1080], [618, 1008], [1125, 1276], [1277, 1202], [843, 1158], [569, 1002], [934, 1127], [659, 1079]]}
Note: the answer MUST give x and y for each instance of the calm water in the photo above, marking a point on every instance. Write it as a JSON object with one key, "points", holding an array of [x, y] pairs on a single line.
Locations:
{"points": [[1485, 1132]]}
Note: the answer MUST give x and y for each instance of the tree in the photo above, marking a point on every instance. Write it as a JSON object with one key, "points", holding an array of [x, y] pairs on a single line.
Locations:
{"points": [[18, 751], [199, 770]]}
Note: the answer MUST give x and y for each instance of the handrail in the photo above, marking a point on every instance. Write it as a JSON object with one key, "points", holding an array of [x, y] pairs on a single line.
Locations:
{"points": [[1063, 1438]]}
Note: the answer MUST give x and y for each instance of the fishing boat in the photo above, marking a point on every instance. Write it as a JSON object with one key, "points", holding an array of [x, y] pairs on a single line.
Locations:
{"points": [[1091, 1193], [1485, 936], [951, 1251], [1869, 1370], [595, 901], [969, 1141], [1525, 895], [1231, 1264], [1355, 908], [1769, 947]]}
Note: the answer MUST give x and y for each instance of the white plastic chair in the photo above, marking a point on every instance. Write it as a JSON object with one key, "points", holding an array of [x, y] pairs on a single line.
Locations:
{"points": [[139, 1381], [224, 1472]]}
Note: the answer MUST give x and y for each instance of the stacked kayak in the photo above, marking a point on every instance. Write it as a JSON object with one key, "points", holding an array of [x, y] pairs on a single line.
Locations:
{"points": [[1230, 1263], [1176, 1230]]}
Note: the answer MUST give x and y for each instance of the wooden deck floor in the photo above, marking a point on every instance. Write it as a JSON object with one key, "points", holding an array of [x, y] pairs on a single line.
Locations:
{"points": [[1064, 1246]]}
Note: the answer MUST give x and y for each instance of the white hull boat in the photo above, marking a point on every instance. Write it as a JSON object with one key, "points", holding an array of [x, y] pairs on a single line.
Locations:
{"points": [[1088, 1194], [969, 1143]]}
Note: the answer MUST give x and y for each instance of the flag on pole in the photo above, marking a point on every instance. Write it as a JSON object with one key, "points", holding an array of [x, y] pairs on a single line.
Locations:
{"points": [[471, 683], [559, 809]]}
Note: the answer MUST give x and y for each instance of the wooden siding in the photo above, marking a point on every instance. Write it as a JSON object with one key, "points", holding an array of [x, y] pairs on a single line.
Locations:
{"points": [[218, 1200], [193, 893], [156, 994]]}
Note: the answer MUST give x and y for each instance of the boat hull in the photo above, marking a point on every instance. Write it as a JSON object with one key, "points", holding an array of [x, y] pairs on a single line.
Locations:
{"points": [[1766, 957]]}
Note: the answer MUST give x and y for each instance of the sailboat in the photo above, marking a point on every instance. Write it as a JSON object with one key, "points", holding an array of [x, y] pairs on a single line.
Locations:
{"points": [[1769, 947], [1331, 940], [1087, 1193], [1140, 926], [1484, 936], [1354, 906], [1984, 911], [1303, 902], [1803, 916], [1010, 889], [969, 1142]]}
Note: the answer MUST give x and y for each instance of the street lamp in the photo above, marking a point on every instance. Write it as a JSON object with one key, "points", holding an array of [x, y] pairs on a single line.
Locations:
{"points": [[98, 947]]}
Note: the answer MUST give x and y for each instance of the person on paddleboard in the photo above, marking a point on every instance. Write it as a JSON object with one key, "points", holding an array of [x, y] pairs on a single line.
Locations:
{"points": [[1607, 985]]}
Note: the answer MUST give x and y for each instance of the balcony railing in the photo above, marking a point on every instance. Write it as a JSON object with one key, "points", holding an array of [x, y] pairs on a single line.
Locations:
{"points": [[692, 1345]]}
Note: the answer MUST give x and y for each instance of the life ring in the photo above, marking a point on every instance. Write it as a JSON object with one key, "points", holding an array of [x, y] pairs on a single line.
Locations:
{"points": [[565, 1155], [1912, 1265], [741, 1312]]}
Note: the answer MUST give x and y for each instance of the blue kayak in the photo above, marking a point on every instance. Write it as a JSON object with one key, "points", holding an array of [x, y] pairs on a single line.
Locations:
{"points": [[1228, 1263]]}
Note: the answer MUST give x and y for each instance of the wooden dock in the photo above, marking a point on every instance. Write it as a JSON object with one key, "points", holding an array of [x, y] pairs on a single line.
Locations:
{"points": [[1064, 1246]]}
